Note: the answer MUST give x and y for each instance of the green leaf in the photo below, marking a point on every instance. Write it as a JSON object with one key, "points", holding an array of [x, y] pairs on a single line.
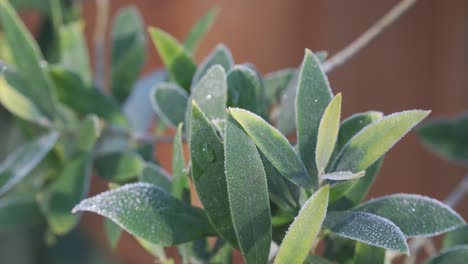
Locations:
{"points": [[415, 215], [207, 156], [367, 228], [128, 51], [304, 230], [456, 255], [245, 89], [275, 83], [200, 29], [313, 96], [88, 133], [274, 146], [180, 182], [373, 141], [77, 95], [368, 254], [156, 175], [71, 187], [456, 237], [175, 57], [119, 167], [39, 5], [327, 133], [343, 175], [286, 109], [146, 211], [13, 98], [24, 159], [447, 137], [113, 233], [19, 210], [311, 259], [221, 55], [28, 59], [170, 102], [73, 50], [248, 194]]}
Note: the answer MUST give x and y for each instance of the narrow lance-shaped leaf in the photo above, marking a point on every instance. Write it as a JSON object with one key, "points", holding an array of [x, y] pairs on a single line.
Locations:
{"points": [[156, 175], [452, 256], [287, 105], [113, 232], [119, 167], [415, 215], [73, 50], [313, 96], [327, 133], [146, 211], [200, 29], [170, 102], [275, 83], [343, 175], [128, 51], [19, 210], [207, 153], [367, 228], [304, 230], [245, 89], [28, 59], [248, 194], [221, 55], [456, 237], [19, 163], [175, 57], [375, 140], [180, 183], [274, 146]]}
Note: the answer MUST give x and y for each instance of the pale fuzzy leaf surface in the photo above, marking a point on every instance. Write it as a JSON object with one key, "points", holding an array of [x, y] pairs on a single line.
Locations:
{"points": [[313, 96], [415, 215], [180, 182], [170, 102], [19, 210], [455, 255], [119, 167], [375, 140], [113, 233], [327, 133], [304, 230], [456, 237], [221, 55], [128, 51], [367, 228], [275, 83], [287, 105], [200, 28], [368, 254], [343, 175], [24, 159], [248, 194], [175, 57], [274, 146], [147, 211], [156, 175], [207, 156], [245, 89], [73, 50]]}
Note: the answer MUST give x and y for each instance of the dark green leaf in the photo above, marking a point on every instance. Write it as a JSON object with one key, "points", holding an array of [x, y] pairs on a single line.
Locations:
{"points": [[456, 237], [113, 233], [275, 83], [23, 160], [73, 50], [367, 228], [147, 211], [248, 194], [156, 175], [39, 5], [128, 51], [180, 182], [415, 215], [313, 96], [199, 29], [207, 156], [287, 107], [274, 146], [18, 210], [88, 133], [245, 89], [447, 137], [170, 102], [119, 167], [456, 255], [221, 55], [338, 249], [368, 254], [311, 259], [175, 57]]}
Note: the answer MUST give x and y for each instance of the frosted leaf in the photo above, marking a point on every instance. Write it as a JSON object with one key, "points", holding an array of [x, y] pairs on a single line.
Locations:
{"points": [[169, 101]]}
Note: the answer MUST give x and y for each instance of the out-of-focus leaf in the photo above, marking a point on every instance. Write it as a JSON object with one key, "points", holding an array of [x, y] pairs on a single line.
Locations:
{"points": [[245, 89], [375, 140], [156, 175], [287, 107], [39, 5], [338, 249], [19, 163], [180, 181], [222, 255], [175, 57], [456, 237], [170, 102], [71, 187], [207, 154], [275, 83], [147, 211], [311, 259], [367, 228], [113, 232], [455, 255], [248, 194], [327, 133], [221, 55], [119, 167], [304, 230], [88, 133], [313, 96], [368, 254], [27, 60], [19, 210], [447, 137], [73, 50], [128, 51], [343, 175], [274, 146], [200, 29], [415, 215]]}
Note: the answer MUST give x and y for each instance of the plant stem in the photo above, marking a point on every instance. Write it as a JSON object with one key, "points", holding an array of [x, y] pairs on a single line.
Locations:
{"points": [[102, 15], [368, 36], [458, 194]]}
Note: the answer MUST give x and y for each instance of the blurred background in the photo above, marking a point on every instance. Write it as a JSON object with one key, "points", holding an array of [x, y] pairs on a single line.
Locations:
{"points": [[421, 62]]}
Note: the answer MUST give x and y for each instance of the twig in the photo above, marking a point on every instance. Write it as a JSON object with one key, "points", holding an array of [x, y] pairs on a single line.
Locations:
{"points": [[102, 15], [458, 194], [368, 36]]}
